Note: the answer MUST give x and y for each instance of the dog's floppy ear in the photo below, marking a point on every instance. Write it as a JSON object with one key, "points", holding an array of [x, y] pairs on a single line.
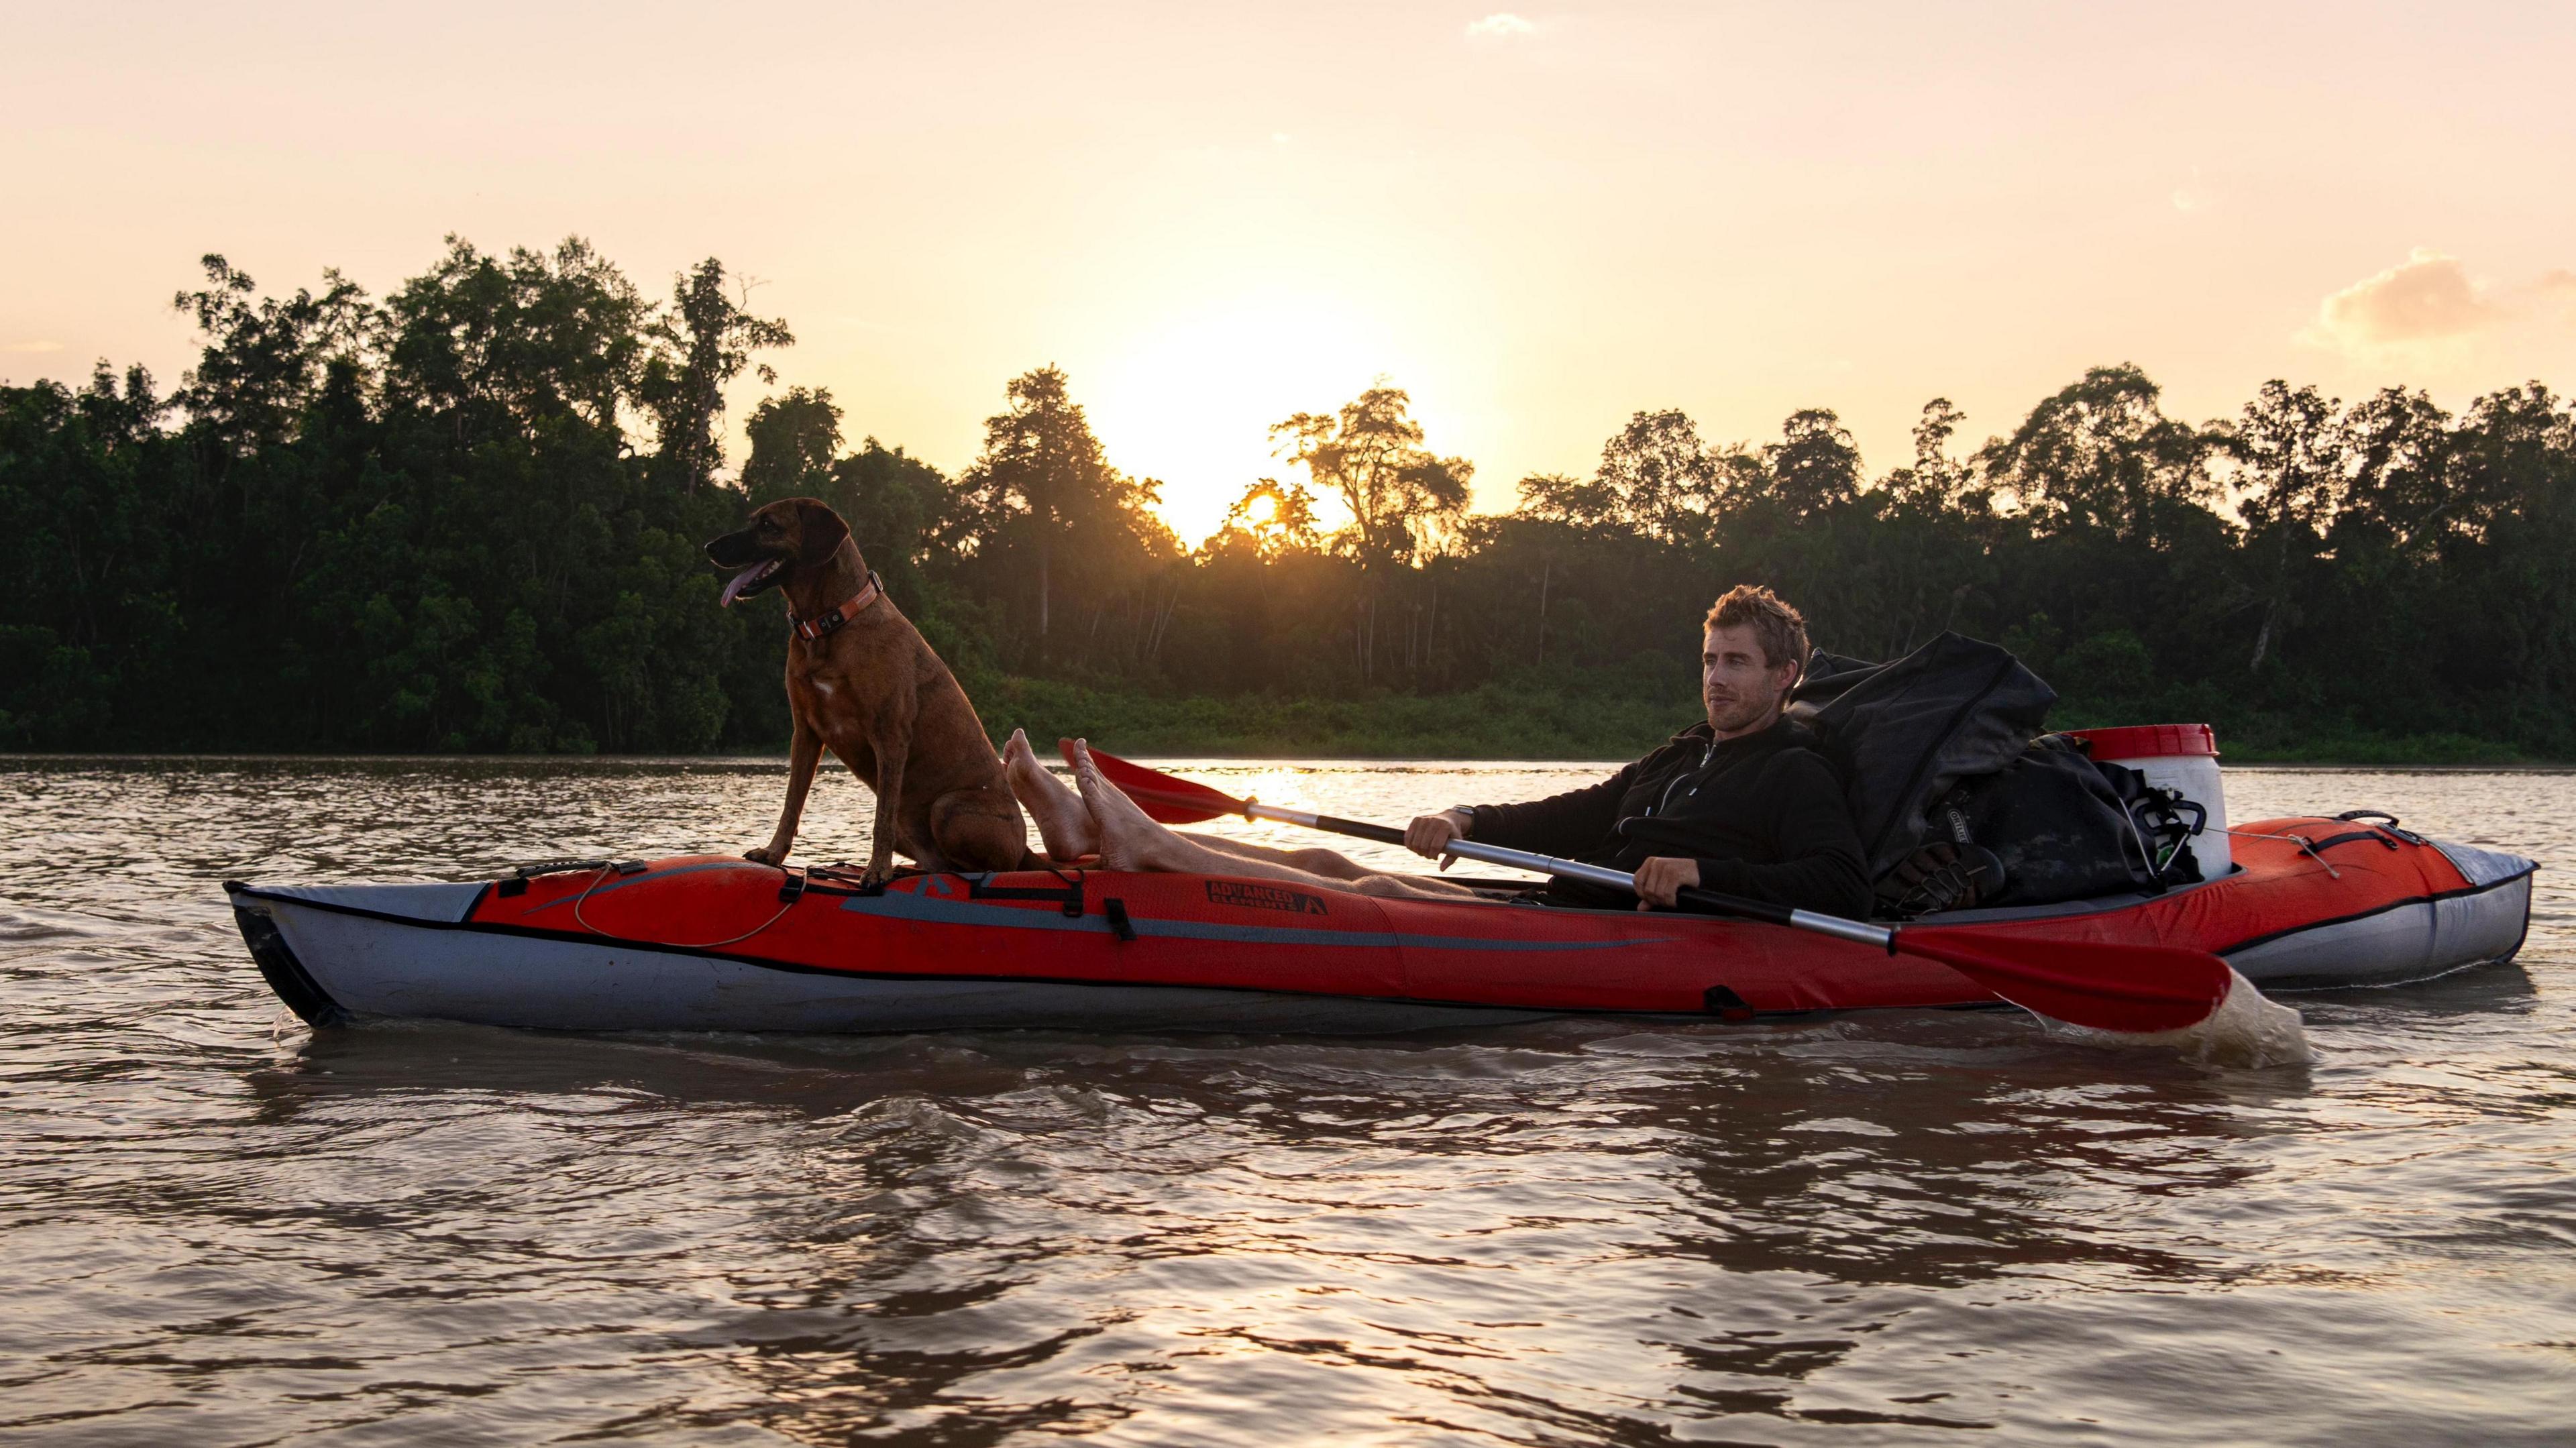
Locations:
{"points": [[820, 532]]}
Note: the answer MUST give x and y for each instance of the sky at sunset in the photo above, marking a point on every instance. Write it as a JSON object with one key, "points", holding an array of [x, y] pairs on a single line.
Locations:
{"points": [[1212, 215]]}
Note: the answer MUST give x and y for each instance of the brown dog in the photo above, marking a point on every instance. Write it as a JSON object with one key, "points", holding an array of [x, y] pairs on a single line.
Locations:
{"points": [[862, 682]]}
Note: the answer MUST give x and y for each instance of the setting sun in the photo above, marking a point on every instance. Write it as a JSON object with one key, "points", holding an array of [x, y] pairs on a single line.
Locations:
{"points": [[1534, 224], [1191, 399]]}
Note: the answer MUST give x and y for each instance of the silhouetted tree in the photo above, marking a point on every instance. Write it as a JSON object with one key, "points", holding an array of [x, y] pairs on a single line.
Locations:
{"points": [[1370, 457], [1937, 480], [1582, 503], [2101, 455], [1401, 496], [1043, 491], [1814, 466], [703, 342], [2290, 450], [1655, 477], [266, 356], [1271, 518], [503, 346], [794, 440]]}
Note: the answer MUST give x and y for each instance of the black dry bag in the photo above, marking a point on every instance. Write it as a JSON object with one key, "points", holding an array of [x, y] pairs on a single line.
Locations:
{"points": [[1903, 733]]}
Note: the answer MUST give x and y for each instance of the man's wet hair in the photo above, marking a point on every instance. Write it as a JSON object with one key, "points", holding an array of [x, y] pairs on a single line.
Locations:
{"points": [[1780, 629]]}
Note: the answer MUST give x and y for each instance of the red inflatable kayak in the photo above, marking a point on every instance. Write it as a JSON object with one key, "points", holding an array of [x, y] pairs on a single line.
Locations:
{"points": [[719, 943]]}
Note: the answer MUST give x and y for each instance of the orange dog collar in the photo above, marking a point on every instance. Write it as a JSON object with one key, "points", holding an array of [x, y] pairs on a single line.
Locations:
{"points": [[830, 622]]}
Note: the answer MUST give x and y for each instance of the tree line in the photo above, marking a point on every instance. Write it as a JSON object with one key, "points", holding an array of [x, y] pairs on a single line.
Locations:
{"points": [[466, 517]]}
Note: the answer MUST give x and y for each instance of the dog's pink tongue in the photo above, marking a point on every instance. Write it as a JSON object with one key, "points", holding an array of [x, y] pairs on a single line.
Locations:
{"points": [[742, 581]]}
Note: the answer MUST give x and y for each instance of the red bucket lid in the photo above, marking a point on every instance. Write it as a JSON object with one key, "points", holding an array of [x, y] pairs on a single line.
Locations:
{"points": [[2150, 741]]}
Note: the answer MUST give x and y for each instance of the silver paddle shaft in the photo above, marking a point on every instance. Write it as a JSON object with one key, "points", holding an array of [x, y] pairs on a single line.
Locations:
{"points": [[1833, 925]]}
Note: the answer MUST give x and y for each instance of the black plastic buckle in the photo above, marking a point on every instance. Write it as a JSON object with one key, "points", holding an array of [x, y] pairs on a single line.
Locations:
{"points": [[791, 888]]}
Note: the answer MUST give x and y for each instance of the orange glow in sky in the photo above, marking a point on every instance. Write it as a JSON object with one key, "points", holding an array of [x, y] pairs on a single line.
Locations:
{"points": [[1538, 221]]}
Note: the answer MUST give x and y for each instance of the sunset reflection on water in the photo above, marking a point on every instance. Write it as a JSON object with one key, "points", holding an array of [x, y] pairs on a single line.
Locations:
{"points": [[219, 1227]]}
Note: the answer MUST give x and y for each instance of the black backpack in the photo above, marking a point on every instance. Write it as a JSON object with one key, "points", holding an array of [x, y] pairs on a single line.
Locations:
{"points": [[2065, 827], [1958, 804]]}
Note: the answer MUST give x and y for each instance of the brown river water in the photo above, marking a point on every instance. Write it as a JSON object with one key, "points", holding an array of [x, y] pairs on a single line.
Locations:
{"points": [[217, 1227]]}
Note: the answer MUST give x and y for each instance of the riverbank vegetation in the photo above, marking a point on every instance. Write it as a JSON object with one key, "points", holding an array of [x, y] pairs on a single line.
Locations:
{"points": [[466, 516]]}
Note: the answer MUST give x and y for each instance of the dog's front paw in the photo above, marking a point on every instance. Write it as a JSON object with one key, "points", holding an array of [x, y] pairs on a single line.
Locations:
{"points": [[765, 856], [876, 874]]}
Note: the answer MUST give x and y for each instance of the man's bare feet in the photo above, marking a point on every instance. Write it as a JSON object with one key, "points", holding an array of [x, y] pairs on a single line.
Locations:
{"points": [[1064, 822], [1128, 839]]}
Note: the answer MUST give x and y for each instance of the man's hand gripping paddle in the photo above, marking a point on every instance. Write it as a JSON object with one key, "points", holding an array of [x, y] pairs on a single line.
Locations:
{"points": [[2107, 986]]}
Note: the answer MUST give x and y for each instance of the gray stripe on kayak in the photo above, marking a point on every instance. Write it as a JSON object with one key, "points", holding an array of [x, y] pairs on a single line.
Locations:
{"points": [[934, 910]]}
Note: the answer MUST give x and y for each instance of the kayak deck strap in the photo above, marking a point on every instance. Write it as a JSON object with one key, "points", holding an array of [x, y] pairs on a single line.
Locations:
{"points": [[1070, 897]]}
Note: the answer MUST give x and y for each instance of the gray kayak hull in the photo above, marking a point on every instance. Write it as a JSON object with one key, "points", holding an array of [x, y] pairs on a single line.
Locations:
{"points": [[335, 953]]}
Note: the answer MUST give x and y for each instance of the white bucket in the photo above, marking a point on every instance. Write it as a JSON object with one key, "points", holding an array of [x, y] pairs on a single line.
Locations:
{"points": [[2184, 759]]}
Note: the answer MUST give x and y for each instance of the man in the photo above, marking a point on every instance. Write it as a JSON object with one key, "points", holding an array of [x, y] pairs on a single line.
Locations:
{"points": [[1737, 803]]}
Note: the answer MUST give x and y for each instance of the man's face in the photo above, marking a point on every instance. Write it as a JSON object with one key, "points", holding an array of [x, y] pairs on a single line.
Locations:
{"points": [[1740, 690]]}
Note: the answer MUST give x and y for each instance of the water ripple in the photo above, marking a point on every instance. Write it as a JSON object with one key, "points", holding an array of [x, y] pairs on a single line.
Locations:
{"points": [[219, 1228]]}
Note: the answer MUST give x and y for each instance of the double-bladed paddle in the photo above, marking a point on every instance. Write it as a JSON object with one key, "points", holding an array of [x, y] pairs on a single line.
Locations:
{"points": [[2106, 985]]}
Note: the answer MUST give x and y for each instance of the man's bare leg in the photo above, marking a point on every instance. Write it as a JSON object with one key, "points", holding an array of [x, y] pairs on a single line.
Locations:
{"points": [[1314, 860], [1335, 866], [1129, 840], [1064, 822], [1067, 830], [1049, 799]]}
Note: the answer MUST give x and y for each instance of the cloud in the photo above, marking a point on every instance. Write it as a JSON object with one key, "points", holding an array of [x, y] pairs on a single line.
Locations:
{"points": [[33, 346], [2428, 298], [1501, 25]]}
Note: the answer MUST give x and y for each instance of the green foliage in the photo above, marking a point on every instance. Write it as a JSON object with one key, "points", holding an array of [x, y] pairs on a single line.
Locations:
{"points": [[794, 440], [425, 524], [408, 526]]}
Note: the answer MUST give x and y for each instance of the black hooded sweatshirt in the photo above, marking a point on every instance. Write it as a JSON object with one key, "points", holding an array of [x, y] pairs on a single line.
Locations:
{"points": [[1763, 814]]}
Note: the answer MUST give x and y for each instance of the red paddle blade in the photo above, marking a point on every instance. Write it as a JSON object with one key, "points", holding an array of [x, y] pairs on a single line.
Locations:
{"points": [[1166, 798], [2107, 986]]}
